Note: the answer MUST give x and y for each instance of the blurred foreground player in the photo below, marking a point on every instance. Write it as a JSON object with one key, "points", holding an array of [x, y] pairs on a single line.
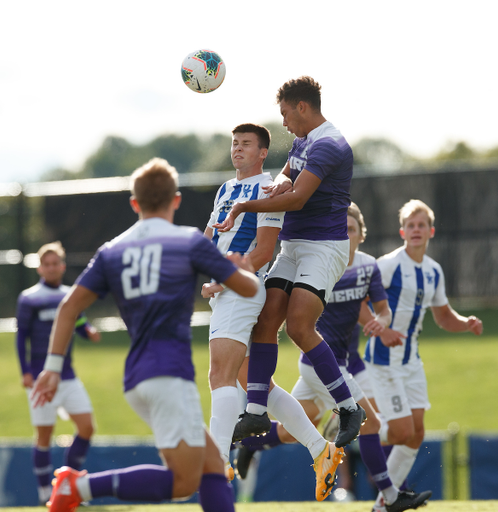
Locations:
{"points": [[413, 282], [151, 269], [36, 309]]}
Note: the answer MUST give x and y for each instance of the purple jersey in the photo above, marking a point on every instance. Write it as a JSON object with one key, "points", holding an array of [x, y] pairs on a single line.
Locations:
{"points": [[355, 362], [36, 308], [325, 153], [340, 316], [151, 270]]}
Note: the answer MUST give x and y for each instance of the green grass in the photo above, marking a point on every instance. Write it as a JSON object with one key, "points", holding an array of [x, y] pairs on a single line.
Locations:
{"points": [[360, 506], [455, 365]]}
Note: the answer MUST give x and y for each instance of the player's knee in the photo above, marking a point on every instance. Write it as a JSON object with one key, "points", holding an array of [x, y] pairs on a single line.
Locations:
{"points": [[372, 426], [400, 435], [298, 329]]}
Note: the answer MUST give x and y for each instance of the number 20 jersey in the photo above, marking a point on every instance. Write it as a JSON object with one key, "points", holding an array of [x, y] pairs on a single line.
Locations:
{"points": [[411, 287], [151, 270]]}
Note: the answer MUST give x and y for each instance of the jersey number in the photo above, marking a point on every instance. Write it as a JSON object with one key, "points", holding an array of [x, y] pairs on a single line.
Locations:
{"points": [[146, 264], [364, 274]]}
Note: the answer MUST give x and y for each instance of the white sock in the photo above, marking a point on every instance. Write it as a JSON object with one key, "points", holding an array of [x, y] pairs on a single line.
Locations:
{"points": [[286, 409], [44, 493], [83, 486], [349, 404], [390, 494], [225, 409], [400, 462], [256, 409], [384, 429]]}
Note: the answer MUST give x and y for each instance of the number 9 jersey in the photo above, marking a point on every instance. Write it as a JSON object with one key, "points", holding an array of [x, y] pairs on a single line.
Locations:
{"points": [[411, 287], [151, 270]]}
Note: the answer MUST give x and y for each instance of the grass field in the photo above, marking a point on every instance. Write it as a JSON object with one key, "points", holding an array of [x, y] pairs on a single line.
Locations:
{"points": [[439, 506], [455, 365]]}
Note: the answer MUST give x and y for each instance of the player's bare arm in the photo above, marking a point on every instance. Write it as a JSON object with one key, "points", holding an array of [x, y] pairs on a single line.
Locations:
{"points": [[377, 324], [304, 186], [266, 239], [449, 320], [242, 281], [78, 299]]}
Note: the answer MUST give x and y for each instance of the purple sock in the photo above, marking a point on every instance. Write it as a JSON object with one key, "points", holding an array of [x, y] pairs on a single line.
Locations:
{"points": [[375, 460], [147, 482], [216, 494], [75, 455], [262, 365], [257, 443], [42, 466], [323, 360]]}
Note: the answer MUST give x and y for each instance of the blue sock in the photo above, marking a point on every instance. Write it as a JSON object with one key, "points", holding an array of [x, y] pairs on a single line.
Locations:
{"points": [[262, 365], [216, 494], [42, 466], [323, 360], [75, 455]]}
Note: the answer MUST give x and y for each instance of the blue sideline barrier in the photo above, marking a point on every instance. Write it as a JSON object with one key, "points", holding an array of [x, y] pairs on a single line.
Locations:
{"points": [[284, 474], [483, 466]]}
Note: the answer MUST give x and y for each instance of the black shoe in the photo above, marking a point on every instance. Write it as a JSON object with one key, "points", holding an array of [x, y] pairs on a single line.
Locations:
{"points": [[243, 461], [251, 425], [350, 423], [409, 500]]}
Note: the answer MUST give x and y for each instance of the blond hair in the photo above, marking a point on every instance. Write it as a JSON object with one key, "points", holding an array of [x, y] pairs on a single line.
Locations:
{"points": [[154, 185], [355, 212], [52, 247], [415, 206]]}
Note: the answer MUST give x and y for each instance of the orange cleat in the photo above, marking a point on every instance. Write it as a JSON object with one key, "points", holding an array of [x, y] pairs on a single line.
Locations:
{"points": [[325, 467], [65, 496]]}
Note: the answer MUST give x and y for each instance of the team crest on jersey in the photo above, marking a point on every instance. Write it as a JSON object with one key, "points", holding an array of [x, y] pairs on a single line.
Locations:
{"points": [[429, 277], [246, 190]]}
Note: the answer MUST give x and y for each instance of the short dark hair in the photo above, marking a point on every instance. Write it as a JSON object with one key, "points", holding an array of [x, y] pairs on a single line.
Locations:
{"points": [[154, 185], [261, 132], [299, 89]]}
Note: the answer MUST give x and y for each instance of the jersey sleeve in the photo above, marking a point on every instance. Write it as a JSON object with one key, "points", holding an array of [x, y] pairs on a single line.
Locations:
{"points": [[271, 219], [94, 276], [439, 298], [386, 267], [207, 259], [213, 217], [376, 290], [323, 158]]}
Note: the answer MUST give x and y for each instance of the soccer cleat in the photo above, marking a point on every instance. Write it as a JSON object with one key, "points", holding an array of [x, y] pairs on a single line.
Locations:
{"points": [[331, 427], [229, 473], [251, 425], [408, 500], [243, 461], [65, 496], [350, 423], [325, 467]]}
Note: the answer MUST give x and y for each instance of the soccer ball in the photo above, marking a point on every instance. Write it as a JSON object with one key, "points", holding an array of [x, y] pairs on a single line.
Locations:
{"points": [[203, 71]]}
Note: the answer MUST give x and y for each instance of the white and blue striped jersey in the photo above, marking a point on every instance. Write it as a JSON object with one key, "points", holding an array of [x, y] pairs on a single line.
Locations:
{"points": [[242, 237], [411, 287]]}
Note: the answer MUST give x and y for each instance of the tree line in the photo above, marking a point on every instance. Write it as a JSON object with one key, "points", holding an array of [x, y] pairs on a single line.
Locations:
{"points": [[196, 153]]}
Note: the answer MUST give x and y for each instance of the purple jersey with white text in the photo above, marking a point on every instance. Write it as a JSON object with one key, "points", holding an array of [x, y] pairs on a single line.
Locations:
{"points": [[36, 309], [340, 316], [325, 153], [151, 270]]}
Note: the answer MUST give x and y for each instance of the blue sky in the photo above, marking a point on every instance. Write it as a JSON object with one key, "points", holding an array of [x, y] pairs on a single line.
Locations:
{"points": [[419, 73]]}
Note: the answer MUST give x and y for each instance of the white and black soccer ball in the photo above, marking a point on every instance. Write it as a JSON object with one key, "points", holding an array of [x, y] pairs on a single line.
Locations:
{"points": [[203, 71]]}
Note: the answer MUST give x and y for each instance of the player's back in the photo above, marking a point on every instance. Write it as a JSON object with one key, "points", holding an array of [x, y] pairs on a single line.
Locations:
{"points": [[151, 271]]}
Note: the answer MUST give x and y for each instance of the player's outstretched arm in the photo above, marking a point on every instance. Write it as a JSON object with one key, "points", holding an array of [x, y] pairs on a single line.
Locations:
{"points": [[304, 186], [449, 320]]}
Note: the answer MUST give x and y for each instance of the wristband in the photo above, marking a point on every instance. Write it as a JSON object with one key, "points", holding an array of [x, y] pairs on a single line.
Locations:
{"points": [[54, 363]]}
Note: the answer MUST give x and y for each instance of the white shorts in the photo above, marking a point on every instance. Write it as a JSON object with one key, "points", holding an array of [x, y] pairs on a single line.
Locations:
{"points": [[319, 264], [399, 389], [363, 380], [234, 316], [71, 395], [171, 406], [310, 387]]}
